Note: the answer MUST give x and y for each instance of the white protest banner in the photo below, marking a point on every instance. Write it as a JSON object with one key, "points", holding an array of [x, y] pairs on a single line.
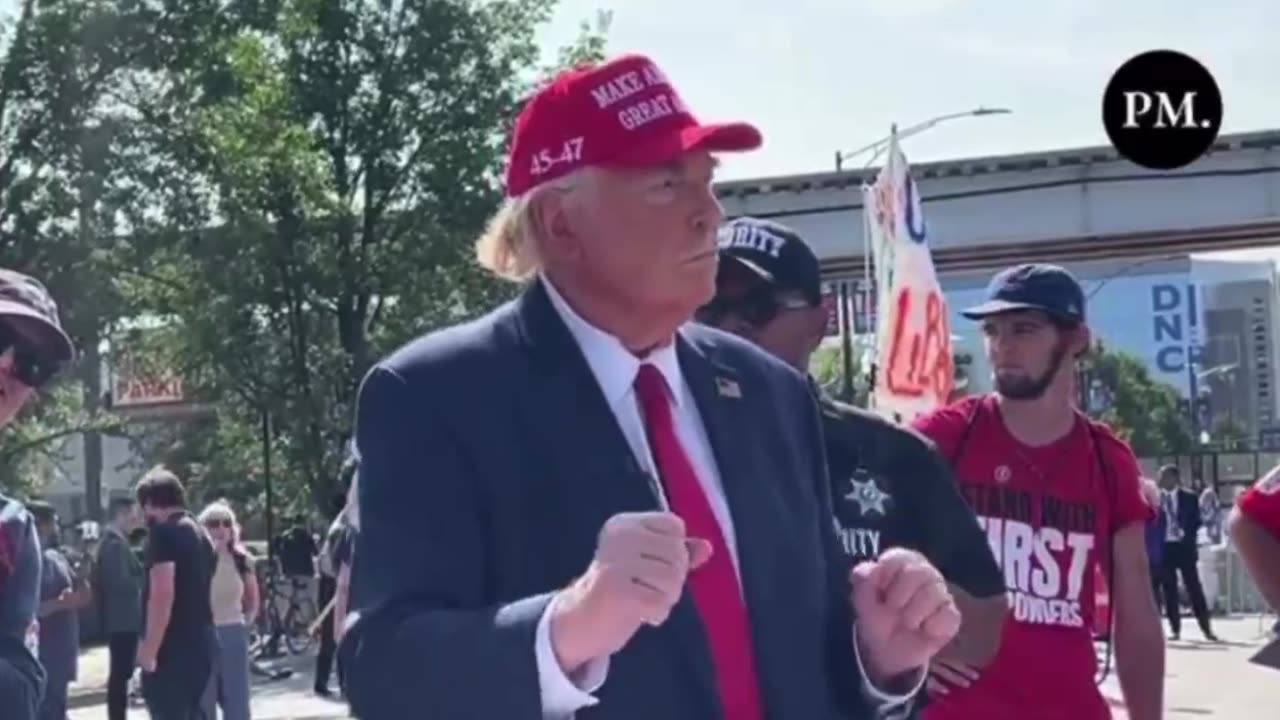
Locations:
{"points": [[914, 366]]}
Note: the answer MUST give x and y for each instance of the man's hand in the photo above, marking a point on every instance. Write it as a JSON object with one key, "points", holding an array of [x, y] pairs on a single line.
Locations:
{"points": [[637, 576], [904, 614], [945, 674], [147, 652], [80, 598]]}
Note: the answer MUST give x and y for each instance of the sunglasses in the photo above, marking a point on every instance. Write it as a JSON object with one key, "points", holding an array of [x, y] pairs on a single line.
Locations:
{"points": [[28, 367], [757, 308], [215, 524]]}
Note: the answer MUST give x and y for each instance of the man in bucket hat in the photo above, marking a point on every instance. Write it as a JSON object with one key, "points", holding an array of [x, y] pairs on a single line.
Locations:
{"points": [[583, 502], [33, 348]]}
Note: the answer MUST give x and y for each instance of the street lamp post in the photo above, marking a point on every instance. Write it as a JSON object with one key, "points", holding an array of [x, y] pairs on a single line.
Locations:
{"points": [[1124, 270], [879, 146]]}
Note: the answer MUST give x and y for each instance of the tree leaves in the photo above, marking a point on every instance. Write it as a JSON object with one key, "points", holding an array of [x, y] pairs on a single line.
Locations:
{"points": [[262, 195], [1142, 410], [329, 181]]}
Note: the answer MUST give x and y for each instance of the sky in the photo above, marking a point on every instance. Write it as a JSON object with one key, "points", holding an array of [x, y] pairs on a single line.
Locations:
{"points": [[818, 76]]}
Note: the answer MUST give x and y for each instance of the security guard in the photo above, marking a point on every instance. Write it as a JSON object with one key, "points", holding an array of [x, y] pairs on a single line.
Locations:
{"points": [[890, 486]]}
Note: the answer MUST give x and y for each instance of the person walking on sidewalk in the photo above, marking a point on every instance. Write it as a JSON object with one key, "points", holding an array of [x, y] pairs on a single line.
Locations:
{"points": [[117, 591], [327, 567], [61, 598], [179, 647], [1181, 509], [233, 596]]}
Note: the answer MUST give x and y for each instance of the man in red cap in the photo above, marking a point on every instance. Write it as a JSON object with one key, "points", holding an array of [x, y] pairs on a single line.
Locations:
{"points": [[582, 502]]}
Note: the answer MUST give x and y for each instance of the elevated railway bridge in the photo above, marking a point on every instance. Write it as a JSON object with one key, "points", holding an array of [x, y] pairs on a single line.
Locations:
{"points": [[1105, 218], [1083, 207]]}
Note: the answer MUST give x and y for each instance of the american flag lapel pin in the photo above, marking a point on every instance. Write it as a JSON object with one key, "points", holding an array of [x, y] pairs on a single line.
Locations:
{"points": [[728, 388]]}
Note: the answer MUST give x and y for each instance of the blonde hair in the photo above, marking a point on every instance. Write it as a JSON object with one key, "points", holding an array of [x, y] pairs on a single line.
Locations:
{"points": [[221, 509], [508, 247]]}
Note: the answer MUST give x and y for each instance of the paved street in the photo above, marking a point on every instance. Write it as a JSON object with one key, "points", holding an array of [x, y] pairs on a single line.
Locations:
{"points": [[285, 700], [289, 699], [1204, 681]]}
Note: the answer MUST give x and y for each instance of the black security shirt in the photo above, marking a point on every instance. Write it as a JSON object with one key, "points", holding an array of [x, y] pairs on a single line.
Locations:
{"points": [[891, 488]]}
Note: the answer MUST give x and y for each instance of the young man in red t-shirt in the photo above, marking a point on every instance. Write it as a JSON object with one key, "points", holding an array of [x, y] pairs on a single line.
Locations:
{"points": [[1255, 528], [1059, 497]]}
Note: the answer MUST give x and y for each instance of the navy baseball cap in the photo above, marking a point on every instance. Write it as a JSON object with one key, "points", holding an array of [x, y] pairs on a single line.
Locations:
{"points": [[1050, 289], [774, 253]]}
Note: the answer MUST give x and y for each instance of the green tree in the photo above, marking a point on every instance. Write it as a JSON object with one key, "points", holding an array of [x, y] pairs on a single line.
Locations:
{"points": [[1141, 409], [59, 59], [319, 194], [1229, 434], [826, 365]]}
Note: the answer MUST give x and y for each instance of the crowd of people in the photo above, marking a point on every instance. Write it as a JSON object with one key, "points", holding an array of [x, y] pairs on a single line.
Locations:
{"points": [[622, 491], [180, 611]]}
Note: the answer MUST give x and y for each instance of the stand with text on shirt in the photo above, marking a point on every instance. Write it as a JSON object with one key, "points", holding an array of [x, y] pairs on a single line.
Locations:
{"points": [[915, 372]]}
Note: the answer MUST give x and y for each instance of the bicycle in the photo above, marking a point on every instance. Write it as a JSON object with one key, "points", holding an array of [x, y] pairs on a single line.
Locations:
{"points": [[288, 611]]}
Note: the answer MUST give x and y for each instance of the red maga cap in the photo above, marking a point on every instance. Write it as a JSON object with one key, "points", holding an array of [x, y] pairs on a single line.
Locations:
{"points": [[624, 113]]}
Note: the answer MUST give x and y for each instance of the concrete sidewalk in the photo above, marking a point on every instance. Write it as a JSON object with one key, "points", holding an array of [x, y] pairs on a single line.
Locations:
{"points": [[91, 687], [290, 699], [95, 664], [1204, 680], [1215, 680]]}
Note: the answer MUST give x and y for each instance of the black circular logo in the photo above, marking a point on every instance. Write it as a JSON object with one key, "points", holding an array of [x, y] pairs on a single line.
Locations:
{"points": [[1162, 110]]}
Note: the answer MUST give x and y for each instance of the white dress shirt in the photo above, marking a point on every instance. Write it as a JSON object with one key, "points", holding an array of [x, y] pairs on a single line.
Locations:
{"points": [[1172, 528], [615, 369]]}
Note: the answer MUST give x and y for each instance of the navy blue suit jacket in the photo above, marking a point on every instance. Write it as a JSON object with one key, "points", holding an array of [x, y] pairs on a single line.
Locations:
{"points": [[1188, 509], [489, 463]]}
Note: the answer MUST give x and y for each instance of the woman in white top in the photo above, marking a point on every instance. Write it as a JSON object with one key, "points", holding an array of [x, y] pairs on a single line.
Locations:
{"points": [[234, 599]]}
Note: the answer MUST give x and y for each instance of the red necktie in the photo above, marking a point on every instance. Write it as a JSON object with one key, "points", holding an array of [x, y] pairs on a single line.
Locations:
{"points": [[715, 584]]}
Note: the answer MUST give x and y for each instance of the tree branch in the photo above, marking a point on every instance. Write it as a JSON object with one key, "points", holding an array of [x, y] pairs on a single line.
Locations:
{"points": [[13, 451]]}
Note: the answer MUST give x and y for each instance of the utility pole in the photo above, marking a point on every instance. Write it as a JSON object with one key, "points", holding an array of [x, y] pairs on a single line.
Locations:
{"points": [[1193, 389], [845, 316], [91, 361], [266, 479]]}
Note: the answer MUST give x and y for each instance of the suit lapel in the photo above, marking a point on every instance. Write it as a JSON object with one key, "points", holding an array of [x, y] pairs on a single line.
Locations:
{"points": [[567, 417], [732, 428]]}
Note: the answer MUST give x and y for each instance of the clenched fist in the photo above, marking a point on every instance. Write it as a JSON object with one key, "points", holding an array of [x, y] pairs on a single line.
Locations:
{"points": [[637, 576], [905, 613]]}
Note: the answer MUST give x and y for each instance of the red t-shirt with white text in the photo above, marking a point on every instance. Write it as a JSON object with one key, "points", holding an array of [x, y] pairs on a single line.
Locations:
{"points": [[1261, 503], [1050, 513]]}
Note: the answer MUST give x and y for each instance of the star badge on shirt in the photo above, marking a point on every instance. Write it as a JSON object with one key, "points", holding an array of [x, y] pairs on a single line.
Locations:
{"points": [[866, 493]]}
